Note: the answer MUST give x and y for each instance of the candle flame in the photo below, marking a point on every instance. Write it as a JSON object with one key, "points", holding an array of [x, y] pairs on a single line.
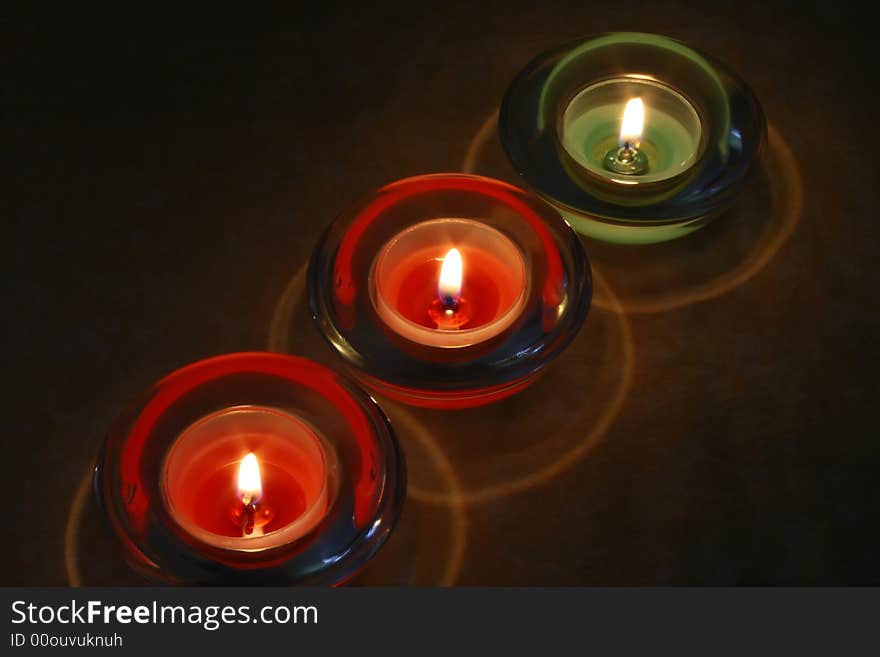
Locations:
{"points": [[250, 486], [632, 124], [449, 285]]}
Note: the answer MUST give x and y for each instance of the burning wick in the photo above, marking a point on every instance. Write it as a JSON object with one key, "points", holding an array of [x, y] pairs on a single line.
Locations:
{"points": [[449, 310], [250, 491], [627, 158]]}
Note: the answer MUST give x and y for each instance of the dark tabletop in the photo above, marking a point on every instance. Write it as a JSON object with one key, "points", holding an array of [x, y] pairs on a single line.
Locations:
{"points": [[166, 174]]}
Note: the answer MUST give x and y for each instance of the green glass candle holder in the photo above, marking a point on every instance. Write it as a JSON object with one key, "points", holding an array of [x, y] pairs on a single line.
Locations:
{"points": [[634, 138]]}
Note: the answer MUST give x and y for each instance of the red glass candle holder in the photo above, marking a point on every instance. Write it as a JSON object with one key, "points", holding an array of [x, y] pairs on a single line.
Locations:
{"points": [[251, 468], [449, 290]]}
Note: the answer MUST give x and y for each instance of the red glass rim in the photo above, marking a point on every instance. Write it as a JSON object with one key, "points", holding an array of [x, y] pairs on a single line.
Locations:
{"points": [[405, 188], [371, 475], [400, 348]]}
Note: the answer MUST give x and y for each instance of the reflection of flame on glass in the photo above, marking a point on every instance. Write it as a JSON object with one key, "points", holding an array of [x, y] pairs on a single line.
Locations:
{"points": [[632, 124], [250, 487], [449, 285]]}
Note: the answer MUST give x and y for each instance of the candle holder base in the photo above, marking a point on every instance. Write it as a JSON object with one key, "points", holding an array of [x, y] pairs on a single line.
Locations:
{"points": [[550, 309], [633, 209], [366, 476]]}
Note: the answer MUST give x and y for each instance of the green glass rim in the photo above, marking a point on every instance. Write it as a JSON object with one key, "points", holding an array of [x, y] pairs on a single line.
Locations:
{"points": [[732, 139]]}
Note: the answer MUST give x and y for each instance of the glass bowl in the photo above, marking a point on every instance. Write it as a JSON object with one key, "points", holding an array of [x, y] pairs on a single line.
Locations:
{"points": [[704, 132], [532, 296], [362, 479]]}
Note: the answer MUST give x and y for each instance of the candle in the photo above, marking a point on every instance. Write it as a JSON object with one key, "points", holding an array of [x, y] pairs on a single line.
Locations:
{"points": [[449, 283], [632, 130], [247, 478], [449, 291], [634, 138], [251, 468]]}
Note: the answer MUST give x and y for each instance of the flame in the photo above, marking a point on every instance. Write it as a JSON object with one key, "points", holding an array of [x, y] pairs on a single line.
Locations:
{"points": [[250, 486], [632, 124], [449, 285]]}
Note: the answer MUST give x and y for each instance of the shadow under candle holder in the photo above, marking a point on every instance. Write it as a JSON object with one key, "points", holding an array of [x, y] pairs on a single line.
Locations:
{"points": [[653, 278]]}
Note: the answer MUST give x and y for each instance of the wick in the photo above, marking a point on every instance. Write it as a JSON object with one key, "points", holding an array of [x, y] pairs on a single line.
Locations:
{"points": [[250, 511], [626, 153], [626, 159], [449, 313]]}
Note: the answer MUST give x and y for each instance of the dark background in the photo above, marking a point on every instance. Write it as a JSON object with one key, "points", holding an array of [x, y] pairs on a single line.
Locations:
{"points": [[166, 173]]}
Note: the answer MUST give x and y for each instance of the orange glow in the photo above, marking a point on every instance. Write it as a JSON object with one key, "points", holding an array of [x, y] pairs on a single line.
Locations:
{"points": [[449, 285], [250, 486]]}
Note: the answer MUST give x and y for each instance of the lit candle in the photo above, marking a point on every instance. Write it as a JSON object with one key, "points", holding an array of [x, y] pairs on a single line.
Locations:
{"points": [[448, 290], [449, 283], [632, 130], [569, 117], [627, 158], [251, 468], [247, 478]]}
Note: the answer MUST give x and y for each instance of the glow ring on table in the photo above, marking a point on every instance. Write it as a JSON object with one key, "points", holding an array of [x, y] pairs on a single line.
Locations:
{"points": [[569, 458], [285, 310], [71, 530], [279, 334], [282, 316], [454, 500], [789, 197], [472, 154]]}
